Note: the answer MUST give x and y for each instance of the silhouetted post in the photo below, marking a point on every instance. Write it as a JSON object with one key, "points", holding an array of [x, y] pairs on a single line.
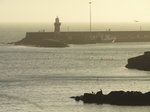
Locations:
{"points": [[140, 28], [68, 29], [90, 16], [140, 24]]}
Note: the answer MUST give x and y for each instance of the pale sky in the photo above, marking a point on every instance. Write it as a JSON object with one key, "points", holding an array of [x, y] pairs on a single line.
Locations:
{"points": [[74, 10]]}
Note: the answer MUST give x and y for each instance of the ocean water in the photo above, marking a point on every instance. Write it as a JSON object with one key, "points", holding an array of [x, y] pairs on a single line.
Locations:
{"points": [[42, 79]]}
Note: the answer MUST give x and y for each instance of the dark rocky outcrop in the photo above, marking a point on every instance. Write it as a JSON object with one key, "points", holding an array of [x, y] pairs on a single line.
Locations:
{"points": [[131, 98], [41, 43], [140, 62]]}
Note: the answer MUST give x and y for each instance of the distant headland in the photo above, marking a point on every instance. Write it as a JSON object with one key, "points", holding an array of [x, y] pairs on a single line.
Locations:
{"points": [[62, 39]]}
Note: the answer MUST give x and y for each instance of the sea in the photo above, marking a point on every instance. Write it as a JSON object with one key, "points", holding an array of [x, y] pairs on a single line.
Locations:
{"points": [[34, 79]]}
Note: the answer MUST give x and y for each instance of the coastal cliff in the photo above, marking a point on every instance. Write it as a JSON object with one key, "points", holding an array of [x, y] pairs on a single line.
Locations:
{"points": [[140, 62]]}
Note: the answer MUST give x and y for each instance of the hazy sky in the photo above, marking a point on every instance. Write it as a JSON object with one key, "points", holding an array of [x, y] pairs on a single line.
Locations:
{"points": [[74, 10]]}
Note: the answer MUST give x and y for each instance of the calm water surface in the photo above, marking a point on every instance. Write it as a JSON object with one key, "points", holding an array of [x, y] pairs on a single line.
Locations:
{"points": [[42, 79]]}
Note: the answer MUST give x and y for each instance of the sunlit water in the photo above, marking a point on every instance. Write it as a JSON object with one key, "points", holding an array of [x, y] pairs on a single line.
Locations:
{"points": [[42, 79]]}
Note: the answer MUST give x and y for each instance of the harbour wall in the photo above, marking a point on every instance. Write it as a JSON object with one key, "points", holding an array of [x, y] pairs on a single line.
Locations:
{"points": [[90, 37]]}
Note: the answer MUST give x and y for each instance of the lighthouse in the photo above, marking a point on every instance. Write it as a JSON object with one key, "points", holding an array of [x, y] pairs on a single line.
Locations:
{"points": [[57, 25]]}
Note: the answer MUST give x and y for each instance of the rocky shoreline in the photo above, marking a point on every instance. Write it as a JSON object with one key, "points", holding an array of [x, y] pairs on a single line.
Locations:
{"points": [[41, 43], [131, 98], [140, 62]]}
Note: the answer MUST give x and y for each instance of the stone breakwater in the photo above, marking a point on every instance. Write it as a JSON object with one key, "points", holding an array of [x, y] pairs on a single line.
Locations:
{"points": [[131, 98], [61, 39]]}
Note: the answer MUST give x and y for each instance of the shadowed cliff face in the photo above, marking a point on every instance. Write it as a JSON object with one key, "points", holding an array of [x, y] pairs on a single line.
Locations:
{"points": [[140, 62], [131, 98]]}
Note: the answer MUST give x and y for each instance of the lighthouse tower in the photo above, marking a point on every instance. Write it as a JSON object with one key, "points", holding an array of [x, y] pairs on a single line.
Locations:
{"points": [[57, 25]]}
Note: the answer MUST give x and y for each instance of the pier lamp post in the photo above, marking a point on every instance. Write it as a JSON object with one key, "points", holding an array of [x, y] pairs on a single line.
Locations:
{"points": [[90, 3], [140, 28], [139, 24]]}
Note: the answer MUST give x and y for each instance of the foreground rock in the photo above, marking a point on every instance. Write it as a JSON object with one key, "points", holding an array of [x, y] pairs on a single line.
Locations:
{"points": [[41, 43], [132, 98], [140, 62]]}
